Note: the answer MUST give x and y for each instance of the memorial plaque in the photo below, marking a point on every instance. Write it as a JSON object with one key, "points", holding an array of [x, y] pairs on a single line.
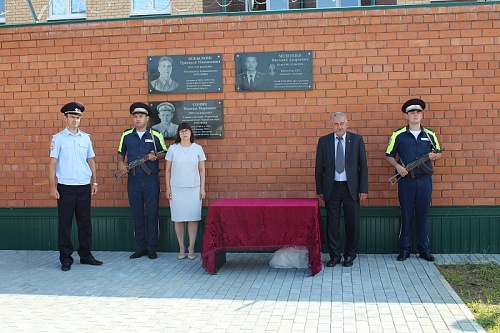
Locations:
{"points": [[185, 74], [266, 71], [205, 118]]}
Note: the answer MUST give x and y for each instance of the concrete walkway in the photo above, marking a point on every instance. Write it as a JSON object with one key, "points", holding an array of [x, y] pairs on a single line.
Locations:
{"points": [[377, 294]]}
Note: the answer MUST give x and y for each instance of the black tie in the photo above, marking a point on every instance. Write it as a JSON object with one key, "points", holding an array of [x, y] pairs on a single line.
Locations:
{"points": [[251, 80], [339, 159]]}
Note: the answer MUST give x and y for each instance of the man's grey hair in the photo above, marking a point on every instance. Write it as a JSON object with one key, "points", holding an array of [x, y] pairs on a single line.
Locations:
{"points": [[339, 115]]}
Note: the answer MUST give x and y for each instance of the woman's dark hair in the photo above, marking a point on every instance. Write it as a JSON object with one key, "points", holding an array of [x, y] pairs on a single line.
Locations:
{"points": [[181, 127]]}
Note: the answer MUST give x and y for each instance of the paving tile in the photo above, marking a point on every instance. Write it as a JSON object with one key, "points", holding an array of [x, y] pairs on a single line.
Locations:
{"points": [[377, 294]]}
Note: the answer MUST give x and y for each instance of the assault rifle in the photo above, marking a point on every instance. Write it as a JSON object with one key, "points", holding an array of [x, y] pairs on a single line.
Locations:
{"points": [[135, 163], [420, 162]]}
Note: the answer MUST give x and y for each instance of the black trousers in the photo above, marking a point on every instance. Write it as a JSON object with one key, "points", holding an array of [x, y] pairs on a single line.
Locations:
{"points": [[74, 200], [342, 197]]}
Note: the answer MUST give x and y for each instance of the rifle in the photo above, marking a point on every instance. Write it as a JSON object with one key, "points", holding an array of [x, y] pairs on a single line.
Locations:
{"points": [[135, 163], [420, 162]]}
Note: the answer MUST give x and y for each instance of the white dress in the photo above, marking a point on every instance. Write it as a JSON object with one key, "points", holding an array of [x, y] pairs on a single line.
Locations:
{"points": [[185, 182]]}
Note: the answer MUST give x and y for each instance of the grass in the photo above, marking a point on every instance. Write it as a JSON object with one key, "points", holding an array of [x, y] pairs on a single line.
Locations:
{"points": [[479, 287]]}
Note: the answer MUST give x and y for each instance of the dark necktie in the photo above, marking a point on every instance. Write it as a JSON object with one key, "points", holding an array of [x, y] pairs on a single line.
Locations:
{"points": [[339, 159], [251, 80]]}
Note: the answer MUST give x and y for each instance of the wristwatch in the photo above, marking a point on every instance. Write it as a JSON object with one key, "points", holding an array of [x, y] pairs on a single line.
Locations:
{"points": [[95, 184]]}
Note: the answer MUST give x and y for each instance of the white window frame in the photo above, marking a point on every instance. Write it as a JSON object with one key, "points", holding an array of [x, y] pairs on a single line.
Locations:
{"points": [[336, 3], [153, 8], [67, 15], [2, 10]]}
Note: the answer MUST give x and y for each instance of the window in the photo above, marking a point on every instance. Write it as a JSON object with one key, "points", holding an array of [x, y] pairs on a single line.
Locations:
{"points": [[67, 9], [214, 6], [326, 3], [337, 3], [277, 4], [2, 11], [256, 5], [151, 7]]}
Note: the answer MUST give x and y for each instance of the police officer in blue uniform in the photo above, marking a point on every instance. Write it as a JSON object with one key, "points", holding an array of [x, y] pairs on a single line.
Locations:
{"points": [[72, 162], [143, 181], [414, 188]]}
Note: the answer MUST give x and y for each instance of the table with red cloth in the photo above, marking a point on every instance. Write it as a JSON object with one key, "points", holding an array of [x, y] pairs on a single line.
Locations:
{"points": [[261, 224]]}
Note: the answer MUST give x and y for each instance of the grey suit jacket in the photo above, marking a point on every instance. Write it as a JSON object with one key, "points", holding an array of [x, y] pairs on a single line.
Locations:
{"points": [[355, 165]]}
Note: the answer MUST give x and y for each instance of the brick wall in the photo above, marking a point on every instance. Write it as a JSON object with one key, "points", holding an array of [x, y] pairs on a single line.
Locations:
{"points": [[18, 12], [97, 9], [365, 63], [182, 7]]}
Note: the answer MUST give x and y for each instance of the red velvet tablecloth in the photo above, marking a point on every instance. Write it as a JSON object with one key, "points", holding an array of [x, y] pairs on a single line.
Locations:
{"points": [[262, 224]]}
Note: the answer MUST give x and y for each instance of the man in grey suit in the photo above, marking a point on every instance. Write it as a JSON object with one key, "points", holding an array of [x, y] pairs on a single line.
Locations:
{"points": [[341, 180]]}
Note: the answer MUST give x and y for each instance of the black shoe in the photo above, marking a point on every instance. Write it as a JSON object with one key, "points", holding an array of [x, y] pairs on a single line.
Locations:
{"points": [[65, 267], [348, 261], [152, 254], [138, 254], [403, 256], [427, 256], [334, 261], [90, 261]]}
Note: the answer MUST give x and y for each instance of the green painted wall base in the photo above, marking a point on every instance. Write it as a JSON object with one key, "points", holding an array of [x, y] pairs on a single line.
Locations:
{"points": [[451, 229]]}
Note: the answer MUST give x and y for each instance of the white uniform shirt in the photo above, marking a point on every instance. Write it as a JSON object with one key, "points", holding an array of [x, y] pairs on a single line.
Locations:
{"points": [[72, 152], [185, 172]]}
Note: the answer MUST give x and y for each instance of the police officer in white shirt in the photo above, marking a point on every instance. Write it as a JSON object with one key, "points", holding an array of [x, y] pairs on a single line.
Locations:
{"points": [[73, 180]]}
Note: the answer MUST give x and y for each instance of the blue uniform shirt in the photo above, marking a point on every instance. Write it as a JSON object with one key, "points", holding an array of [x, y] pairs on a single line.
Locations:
{"points": [[72, 152], [404, 144], [135, 147]]}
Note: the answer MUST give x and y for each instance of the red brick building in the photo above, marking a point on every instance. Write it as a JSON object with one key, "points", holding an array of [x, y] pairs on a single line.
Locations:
{"points": [[366, 63]]}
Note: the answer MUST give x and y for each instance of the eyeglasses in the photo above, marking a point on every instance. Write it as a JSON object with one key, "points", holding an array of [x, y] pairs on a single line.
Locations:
{"points": [[185, 131]]}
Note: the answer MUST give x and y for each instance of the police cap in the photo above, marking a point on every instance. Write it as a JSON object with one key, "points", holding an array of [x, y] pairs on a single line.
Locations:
{"points": [[140, 108], [413, 104], [73, 108]]}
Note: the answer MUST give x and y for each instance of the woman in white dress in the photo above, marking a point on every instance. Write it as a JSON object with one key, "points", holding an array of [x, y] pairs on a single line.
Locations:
{"points": [[185, 180]]}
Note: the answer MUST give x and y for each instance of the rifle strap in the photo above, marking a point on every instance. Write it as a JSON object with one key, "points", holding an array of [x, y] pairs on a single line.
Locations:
{"points": [[430, 140], [153, 138], [424, 167]]}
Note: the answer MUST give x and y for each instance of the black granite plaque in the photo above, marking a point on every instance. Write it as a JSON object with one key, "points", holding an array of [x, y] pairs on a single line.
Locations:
{"points": [[205, 118], [265, 71], [185, 74]]}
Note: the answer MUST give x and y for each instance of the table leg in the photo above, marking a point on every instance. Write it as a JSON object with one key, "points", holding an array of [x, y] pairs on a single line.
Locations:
{"points": [[220, 260]]}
